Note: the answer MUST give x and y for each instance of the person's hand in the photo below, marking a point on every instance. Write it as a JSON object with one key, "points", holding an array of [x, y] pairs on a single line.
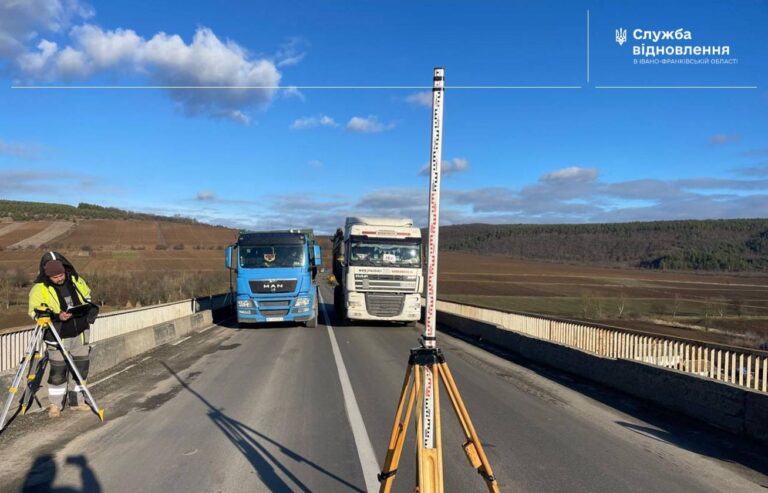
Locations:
{"points": [[64, 316]]}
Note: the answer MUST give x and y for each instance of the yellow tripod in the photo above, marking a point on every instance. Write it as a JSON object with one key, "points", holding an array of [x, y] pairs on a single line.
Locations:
{"points": [[425, 364], [43, 323]]}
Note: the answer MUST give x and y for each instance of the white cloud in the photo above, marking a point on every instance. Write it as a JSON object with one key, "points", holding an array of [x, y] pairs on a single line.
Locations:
{"points": [[315, 163], [448, 167], [206, 196], [293, 92], [758, 170], [313, 121], [290, 52], [18, 150], [571, 174], [164, 59], [721, 139], [371, 124], [22, 20], [423, 98], [48, 181]]}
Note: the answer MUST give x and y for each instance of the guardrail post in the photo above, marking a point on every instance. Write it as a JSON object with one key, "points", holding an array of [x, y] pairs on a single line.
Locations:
{"points": [[741, 369]]}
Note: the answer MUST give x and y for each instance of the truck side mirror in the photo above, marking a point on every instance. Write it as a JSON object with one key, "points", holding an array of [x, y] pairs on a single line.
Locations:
{"points": [[318, 259], [228, 257]]}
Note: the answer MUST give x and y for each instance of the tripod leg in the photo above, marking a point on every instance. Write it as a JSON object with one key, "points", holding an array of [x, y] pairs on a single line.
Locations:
{"points": [[33, 384], [473, 448], [75, 371], [397, 437], [36, 370], [36, 334]]}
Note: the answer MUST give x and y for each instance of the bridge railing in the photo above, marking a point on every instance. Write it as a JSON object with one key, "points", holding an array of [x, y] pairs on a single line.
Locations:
{"points": [[738, 366], [111, 324]]}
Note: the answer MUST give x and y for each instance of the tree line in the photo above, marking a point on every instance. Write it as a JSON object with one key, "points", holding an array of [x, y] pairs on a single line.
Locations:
{"points": [[709, 245], [30, 211]]}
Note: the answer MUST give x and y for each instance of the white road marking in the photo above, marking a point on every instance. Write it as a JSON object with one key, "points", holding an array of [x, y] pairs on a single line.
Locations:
{"points": [[365, 452], [145, 359], [207, 329], [112, 375], [180, 341]]}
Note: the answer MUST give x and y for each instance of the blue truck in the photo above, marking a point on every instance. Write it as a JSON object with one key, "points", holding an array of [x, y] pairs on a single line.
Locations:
{"points": [[276, 276]]}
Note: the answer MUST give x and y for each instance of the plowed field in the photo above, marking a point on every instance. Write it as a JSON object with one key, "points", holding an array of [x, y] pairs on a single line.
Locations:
{"points": [[724, 308]]}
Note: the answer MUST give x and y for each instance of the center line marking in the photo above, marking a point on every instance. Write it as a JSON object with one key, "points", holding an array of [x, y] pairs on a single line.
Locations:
{"points": [[365, 452]]}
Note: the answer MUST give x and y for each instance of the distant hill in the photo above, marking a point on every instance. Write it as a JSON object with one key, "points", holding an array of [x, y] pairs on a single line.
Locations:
{"points": [[31, 211], [708, 245]]}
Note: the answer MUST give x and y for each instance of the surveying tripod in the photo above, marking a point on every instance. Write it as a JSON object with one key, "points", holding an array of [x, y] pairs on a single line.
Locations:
{"points": [[33, 358], [427, 366]]}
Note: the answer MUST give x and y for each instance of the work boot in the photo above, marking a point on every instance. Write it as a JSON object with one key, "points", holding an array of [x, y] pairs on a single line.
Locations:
{"points": [[82, 407], [54, 411]]}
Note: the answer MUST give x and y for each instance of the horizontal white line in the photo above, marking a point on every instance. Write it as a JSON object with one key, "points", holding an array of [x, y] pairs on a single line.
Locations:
{"points": [[207, 329], [209, 88], [145, 359], [112, 375], [180, 341], [675, 87]]}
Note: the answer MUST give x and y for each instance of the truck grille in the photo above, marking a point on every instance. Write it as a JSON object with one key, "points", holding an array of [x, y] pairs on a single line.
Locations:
{"points": [[272, 304], [274, 313], [273, 286], [384, 305], [386, 283]]}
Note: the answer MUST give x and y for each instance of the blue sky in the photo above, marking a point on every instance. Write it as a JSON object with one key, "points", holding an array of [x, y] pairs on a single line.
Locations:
{"points": [[302, 157]]}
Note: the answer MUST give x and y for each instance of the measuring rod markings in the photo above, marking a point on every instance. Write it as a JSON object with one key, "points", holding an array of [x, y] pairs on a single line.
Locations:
{"points": [[365, 453], [428, 410]]}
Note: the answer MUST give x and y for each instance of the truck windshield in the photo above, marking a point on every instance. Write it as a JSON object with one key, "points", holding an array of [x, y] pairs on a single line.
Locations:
{"points": [[260, 256], [395, 253]]}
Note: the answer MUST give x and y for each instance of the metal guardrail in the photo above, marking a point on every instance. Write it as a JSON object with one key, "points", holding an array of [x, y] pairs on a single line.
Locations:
{"points": [[13, 344], [736, 366], [741, 367]]}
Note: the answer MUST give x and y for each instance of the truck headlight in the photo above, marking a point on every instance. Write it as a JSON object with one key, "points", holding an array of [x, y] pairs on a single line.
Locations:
{"points": [[245, 304], [301, 301]]}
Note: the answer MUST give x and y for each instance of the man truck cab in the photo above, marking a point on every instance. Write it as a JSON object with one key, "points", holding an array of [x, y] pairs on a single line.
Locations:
{"points": [[276, 276]]}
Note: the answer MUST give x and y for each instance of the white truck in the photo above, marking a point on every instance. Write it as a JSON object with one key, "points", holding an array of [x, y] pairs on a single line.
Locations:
{"points": [[377, 266]]}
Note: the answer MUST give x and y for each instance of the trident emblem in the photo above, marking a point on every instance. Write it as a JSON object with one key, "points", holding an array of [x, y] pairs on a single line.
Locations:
{"points": [[621, 36]]}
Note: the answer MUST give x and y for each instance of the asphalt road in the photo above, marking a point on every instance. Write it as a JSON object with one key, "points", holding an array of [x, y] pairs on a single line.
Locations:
{"points": [[265, 409]]}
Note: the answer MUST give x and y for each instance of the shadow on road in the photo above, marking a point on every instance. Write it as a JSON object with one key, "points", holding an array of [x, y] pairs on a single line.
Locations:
{"points": [[246, 439], [680, 431], [43, 472]]}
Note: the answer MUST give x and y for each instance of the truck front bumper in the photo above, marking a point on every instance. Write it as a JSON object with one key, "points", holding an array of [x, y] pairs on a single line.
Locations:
{"points": [[357, 309]]}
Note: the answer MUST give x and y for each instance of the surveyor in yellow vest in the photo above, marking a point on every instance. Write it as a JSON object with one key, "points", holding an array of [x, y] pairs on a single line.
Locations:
{"points": [[59, 288]]}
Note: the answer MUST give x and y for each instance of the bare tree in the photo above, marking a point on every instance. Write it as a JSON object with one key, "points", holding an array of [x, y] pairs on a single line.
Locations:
{"points": [[621, 303]]}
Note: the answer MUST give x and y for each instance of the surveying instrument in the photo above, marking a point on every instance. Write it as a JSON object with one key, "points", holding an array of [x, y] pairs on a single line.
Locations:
{"points": [[34, 359], [426, 364]]}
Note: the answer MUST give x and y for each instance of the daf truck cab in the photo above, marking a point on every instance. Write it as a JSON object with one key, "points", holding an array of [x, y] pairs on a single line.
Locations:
{"points": [[377, 265]]}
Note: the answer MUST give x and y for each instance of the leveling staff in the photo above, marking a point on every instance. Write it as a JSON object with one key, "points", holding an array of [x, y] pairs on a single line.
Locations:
{"points": [[60, 288]]}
